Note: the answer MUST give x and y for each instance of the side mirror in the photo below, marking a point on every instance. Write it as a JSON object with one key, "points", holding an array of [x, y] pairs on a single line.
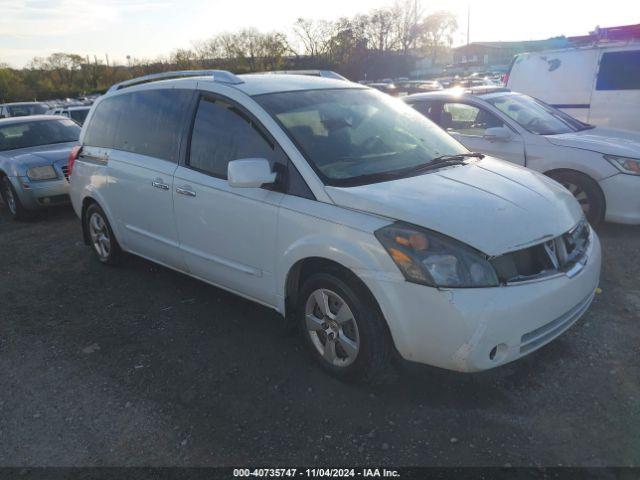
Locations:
{"points": [[250, 173], [497, 134]]}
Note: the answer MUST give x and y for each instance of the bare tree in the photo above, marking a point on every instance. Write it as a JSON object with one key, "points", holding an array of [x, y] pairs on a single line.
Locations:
{"points": [[437, 32], [378, 29], [208, 50], [314, 35], [406, 17], [183, 58]]}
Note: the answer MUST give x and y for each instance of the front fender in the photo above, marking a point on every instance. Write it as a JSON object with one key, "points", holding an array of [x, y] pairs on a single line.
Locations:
{"points": [[363, 259], [360, 253], [11, 169], [546, 159]]}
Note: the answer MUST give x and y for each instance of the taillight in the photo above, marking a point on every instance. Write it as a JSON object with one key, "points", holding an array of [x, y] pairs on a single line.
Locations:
{"points": [[73, 156]]}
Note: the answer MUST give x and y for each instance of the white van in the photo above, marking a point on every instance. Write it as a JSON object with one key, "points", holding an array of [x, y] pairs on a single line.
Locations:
{"points": [[341, 208], [598, 84]]}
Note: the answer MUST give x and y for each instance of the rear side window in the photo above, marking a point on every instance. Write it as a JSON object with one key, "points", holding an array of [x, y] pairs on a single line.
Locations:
{"points": [[619, 71], [151, 122], [222, 133], [101, 130]]}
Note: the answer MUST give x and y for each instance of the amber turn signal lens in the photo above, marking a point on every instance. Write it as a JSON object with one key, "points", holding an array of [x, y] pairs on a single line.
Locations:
{"points": [[419, 242], [398, 256]]}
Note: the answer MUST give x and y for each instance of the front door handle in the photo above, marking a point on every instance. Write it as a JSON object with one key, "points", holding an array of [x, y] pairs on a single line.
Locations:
{"points": [[158, 184], [185, 191]]}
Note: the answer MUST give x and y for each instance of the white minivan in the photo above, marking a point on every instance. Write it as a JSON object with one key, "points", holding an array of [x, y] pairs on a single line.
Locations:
{"points": [[598, 84], [343, 209]]}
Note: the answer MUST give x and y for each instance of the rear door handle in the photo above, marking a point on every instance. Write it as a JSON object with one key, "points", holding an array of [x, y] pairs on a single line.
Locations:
{"points": [[158, 184], [185, 191]]}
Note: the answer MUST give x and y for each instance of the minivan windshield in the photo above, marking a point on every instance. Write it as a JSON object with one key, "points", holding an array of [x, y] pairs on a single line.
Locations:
{"points": [[39, 132], [359, 136], [536, 116]]}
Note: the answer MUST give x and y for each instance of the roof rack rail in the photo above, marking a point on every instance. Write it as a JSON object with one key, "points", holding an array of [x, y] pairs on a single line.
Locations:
{"points": [[222, 76], [313, 73]]}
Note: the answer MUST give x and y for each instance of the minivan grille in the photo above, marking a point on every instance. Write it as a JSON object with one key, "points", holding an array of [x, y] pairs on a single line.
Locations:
{"points": [[565, 253]]}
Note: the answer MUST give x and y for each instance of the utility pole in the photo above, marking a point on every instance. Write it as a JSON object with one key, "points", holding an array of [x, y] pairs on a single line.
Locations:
{"points": [[468, 21]]}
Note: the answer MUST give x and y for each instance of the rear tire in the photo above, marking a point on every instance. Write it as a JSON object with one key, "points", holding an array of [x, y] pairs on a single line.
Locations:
{"points": [[586, 191], [101, 237], [343, 328], [11, 200]]}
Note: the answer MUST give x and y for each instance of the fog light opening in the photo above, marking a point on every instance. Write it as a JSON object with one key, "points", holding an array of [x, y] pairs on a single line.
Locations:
{"points": [[498, 353]]}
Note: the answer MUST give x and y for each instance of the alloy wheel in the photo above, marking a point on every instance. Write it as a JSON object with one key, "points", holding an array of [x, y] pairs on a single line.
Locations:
{"points": [[332, 327], [9, 198], [580, 195], [99, 233]]}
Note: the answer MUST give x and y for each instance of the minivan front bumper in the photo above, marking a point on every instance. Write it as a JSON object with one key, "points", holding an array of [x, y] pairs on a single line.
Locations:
{"points": [[476, 329]]}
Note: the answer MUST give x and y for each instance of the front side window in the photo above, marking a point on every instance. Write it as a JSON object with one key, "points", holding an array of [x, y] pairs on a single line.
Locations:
{"points": [[222, 133], [619, 71], [467, 119], [536, 116], [41, 132], [356, 136], [428, 109]]}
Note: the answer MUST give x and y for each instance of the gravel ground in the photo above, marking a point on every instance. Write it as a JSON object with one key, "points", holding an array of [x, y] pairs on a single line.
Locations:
{"points": [[139, 365]]}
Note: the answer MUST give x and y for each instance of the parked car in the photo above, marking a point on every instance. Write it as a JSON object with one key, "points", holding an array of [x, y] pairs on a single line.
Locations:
{"points": [[76, 113], [388, 88], [599, 84], [342, 209], [471, 82], [22, 109], [600, 166], [33, 162], [418, 86]]}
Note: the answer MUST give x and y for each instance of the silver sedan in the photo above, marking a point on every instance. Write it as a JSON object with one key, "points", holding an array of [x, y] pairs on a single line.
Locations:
{"points": [[33, 162]]}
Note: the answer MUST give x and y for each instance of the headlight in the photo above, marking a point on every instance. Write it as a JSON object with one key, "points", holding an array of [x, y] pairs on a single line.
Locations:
{"points": [[46, 172], [433, 259], [625, 164]]}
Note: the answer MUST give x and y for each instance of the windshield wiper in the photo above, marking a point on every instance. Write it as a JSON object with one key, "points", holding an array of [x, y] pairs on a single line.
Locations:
{"points": [[438, 162], [444, 161], [459, 158]]}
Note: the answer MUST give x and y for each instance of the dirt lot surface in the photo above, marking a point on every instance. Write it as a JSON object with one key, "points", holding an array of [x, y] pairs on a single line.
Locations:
{"points": [[138, 365]]}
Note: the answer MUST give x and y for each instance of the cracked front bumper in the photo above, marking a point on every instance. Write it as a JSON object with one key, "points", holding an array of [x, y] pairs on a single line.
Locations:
{"points": [[477, 329]]}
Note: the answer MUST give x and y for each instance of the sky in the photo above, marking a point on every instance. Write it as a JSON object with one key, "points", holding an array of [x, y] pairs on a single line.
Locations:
{"points": [[150, 28]]}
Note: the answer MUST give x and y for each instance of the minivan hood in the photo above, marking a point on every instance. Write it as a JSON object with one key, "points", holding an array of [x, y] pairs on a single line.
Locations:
{"points": [[494, 206], [624, 143]]}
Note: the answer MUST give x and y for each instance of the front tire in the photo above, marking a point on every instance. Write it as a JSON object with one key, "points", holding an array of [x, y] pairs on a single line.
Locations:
{"points": [[11, 200], [586, 191], [343, 327], [101, 237]]}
